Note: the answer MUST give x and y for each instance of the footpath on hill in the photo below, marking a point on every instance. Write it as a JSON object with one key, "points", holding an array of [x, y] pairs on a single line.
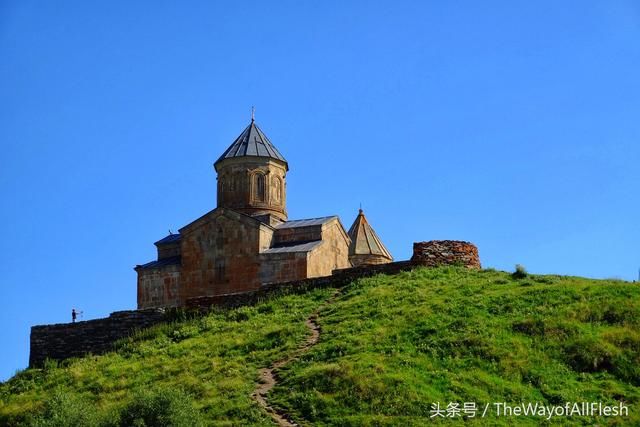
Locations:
{"points": [[269, 377]]}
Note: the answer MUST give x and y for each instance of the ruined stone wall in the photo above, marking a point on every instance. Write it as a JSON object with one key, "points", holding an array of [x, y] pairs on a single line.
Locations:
{"points": [[62, 341], [446, 252], [159, 287]]}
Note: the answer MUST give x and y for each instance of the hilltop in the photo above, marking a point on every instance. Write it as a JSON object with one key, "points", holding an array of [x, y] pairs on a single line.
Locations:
{"points": [[390, 346]]}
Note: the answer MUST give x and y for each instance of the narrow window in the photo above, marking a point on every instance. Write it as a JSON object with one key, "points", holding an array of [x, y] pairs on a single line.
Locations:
{"points": [[220, 270], [277, 190], [220, 239], [220, 190], [260, 187]]}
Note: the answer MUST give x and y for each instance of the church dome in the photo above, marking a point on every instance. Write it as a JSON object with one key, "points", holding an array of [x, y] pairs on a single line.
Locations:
{"points": [[252, 142], [252, 176]]}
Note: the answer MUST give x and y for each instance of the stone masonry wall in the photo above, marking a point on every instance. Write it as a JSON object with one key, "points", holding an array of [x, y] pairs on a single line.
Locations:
{"points": [[220, 255], [282, 267], [158, 287], [332, 254], [339, 278], [65, 340], [446, 252]]}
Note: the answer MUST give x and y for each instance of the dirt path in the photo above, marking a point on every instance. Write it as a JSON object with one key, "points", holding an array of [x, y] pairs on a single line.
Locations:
{"points": [[268, 378]]}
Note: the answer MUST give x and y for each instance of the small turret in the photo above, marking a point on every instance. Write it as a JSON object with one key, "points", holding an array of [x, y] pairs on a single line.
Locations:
{"points": [[366, 247]]}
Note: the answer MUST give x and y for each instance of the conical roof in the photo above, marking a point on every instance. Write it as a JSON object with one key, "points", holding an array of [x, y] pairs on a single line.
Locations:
{"points": [[252, 142], [365, 241]]}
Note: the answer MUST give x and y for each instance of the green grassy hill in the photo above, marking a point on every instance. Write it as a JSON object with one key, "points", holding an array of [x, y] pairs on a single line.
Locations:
{"points": [[390, 347]]}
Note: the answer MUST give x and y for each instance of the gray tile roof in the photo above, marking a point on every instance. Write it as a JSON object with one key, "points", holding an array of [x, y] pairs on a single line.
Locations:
{"points": [[305, 222], [171, 238], [302, 247], [160, 263], [252, 142]]}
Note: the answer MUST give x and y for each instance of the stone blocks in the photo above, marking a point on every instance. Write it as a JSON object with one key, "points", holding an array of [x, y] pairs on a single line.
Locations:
{"points": [[65, 340], [446, 252]]}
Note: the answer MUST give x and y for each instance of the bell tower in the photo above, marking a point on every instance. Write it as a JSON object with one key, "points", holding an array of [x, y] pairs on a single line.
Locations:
{"points": [[251, 176]]}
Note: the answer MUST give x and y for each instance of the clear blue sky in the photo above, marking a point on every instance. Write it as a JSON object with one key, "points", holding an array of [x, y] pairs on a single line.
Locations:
{"points": [[514, 125]]}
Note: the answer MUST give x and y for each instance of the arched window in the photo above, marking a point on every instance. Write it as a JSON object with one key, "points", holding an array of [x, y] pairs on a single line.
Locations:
{"points": [[220, 239], [259, 187], [277, 190]]}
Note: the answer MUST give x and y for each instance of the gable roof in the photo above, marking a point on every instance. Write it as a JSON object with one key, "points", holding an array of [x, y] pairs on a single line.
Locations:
{"points": [[305, 222], [252, 142], [365, 241], [229, 213], [174, 260], [301, 247], [171, 238]]}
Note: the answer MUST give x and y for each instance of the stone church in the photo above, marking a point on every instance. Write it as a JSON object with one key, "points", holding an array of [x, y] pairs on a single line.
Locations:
{"points": [[247, 240]]}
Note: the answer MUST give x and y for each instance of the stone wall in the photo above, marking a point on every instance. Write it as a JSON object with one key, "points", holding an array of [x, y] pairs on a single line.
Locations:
{"points": [[282, 267], [159, 287], [65, 340], [220, 254], [339, 278], [446, 252], [332, 254], [297, 234], [168, 250], [368, 259]]}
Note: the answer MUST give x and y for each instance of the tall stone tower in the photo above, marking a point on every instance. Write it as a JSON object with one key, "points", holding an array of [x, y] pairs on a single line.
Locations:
{"points": [[251, 177]]}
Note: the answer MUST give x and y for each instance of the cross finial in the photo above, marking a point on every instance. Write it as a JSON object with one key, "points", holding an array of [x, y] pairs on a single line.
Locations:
{"points": [[253, 113]]}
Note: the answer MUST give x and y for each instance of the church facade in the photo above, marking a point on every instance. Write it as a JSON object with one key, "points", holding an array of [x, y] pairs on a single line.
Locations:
{"points": [[247, 240]]}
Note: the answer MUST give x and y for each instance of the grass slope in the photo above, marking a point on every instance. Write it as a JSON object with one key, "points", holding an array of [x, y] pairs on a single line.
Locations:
{"points": [[390, 347]]}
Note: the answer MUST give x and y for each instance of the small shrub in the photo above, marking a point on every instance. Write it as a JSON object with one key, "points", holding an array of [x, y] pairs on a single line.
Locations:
{"points": [[22, 382], [185, 331], [621, 313], [162, 407], [179, 314], [529, 327], [265, 309], [520, 272], [67, 410], [543, 279], [590, 354], [238, 315]]}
